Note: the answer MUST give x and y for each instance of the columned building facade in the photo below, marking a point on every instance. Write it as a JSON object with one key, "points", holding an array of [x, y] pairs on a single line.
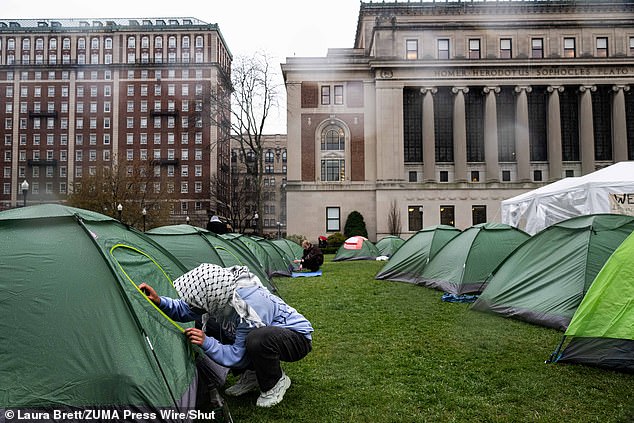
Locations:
{"points": [[444, 109], [78, 95]]}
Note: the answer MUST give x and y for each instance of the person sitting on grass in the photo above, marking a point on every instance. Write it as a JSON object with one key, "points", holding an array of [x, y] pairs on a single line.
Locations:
{"points": [[312, 257], [262, 329]]}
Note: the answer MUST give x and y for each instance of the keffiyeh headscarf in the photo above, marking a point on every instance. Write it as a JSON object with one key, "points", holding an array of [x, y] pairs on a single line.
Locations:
{"points": [[213, 288]]}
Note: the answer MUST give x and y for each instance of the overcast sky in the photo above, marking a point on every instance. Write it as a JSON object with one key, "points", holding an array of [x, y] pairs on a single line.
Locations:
{"points": [[281, 28]]}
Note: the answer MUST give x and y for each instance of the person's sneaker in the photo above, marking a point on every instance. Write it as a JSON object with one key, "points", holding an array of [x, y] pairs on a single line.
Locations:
{"points": [[247, 383], [276, 394]]}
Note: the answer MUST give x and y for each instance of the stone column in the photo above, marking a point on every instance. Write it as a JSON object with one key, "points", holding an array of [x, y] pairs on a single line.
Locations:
{"points": [[586, 129], [459, 135], [522, 139], [555, 168], [491, 156], [429, 135], [619, 123]]}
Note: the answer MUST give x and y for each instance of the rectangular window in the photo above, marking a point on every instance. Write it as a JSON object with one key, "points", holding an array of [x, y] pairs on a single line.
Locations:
{"points": [[478, 214], [333, 219], [537, 175], [447, 215], [411, 49], [506, 48], [537, 48], [325, 94], [602, 47], [631, 50], [444, 176], [338, 94], [332, 170], [413, 176], [443, 48], [569, 47], [414, 218], [474, 48], [475, 176], [506, 175]]}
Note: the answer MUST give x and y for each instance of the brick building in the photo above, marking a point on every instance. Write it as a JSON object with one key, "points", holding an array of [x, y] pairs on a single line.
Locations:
{"points": [[78, 95]]}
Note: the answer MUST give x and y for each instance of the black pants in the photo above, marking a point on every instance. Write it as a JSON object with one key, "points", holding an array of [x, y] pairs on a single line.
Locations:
{"points": [[268, 345]]}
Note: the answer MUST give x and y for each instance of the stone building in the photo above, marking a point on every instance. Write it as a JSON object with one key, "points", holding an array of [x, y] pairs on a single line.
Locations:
{"points": [[442, 109], [273, 208], [79, 94]]}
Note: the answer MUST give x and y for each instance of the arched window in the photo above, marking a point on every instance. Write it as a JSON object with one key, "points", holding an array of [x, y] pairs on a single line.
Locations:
{"points": [[333, 138], [131, 42], [333, 152], [269, 156]]}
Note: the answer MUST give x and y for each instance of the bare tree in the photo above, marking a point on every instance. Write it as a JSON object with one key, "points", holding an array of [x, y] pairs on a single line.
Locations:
{"points": [[394, 219], [134, 186], [254, 93], [240, 212]]}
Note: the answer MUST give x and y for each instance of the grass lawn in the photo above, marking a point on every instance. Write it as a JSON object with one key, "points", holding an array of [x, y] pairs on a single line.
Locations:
{"points": [[394, 352]]}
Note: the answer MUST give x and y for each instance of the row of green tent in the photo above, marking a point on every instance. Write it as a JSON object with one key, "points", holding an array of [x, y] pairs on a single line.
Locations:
{"points": [[360, 248], [76, 331], [543, 279]]}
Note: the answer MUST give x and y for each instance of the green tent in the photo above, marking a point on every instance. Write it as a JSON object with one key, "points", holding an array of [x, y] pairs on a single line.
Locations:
{"points": [[357, 248], [292, 249], [282, 262], [388, 245], [193, 246], [463, 264], [273, 263], [601, 331], [545, 279], [407, 264], [76, 331]]}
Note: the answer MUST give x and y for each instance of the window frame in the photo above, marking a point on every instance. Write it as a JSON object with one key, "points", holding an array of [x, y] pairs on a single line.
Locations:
{"points": [[333, 223]]}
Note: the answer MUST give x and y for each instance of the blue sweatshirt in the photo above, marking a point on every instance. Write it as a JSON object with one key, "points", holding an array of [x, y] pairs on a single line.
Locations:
{"points": [[272, 310]]}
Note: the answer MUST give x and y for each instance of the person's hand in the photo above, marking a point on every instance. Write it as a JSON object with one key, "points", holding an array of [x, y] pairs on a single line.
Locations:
{"points": [[150, 293], [195, 336]]}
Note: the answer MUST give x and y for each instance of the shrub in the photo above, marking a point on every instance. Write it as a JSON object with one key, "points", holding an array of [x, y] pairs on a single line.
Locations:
{"points": [[335, 240], [355, 225]]}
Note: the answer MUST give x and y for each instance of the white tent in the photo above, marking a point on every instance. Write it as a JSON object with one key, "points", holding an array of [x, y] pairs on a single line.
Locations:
{"points": [[608, 190]]}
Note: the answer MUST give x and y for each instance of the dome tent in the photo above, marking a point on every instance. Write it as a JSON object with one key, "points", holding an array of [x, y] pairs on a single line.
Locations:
{"points": [[292, 249], [193, 246], [91, 339], [464, 263], [356, 248], [272, 260], [388, 245], [407, 264], [544, 280], [601, 331]]}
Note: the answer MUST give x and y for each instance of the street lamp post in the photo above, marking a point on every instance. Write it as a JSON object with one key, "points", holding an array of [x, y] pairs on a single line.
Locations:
{"points": [[255, 223], [25, 190], [119, 210], [144, 213]]}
